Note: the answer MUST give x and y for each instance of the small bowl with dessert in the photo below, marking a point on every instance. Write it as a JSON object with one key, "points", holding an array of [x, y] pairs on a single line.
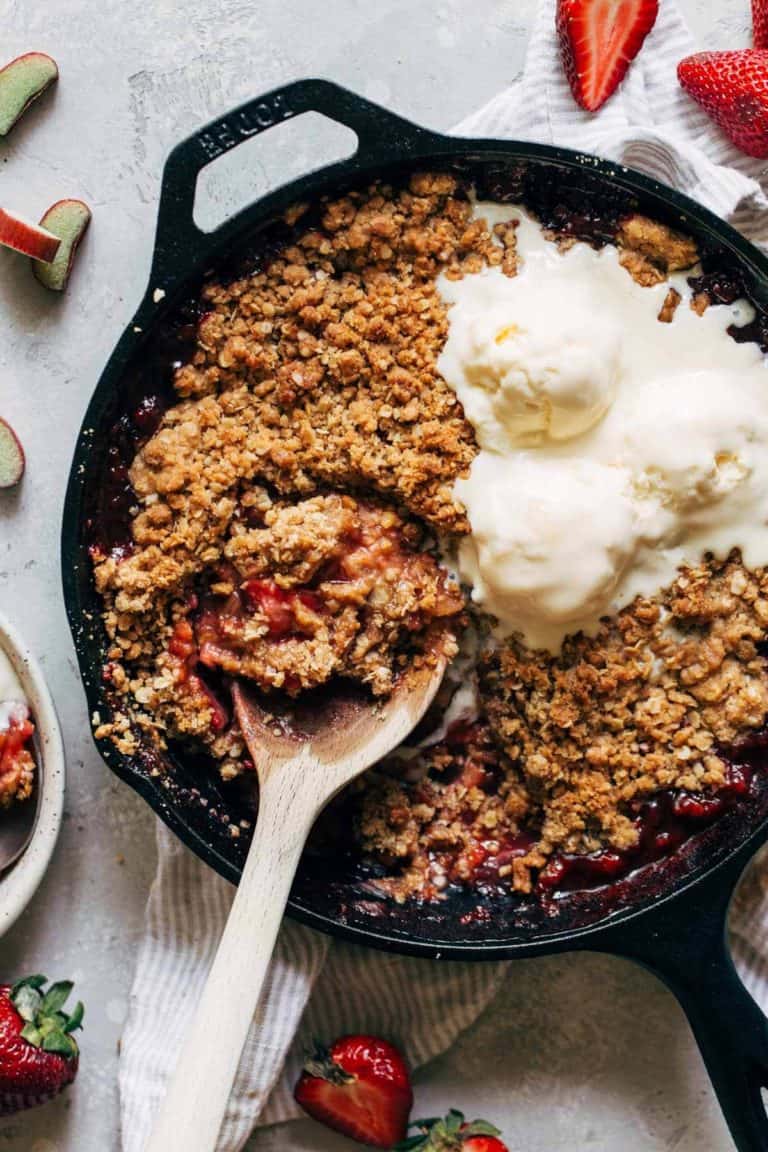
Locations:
{"points": [[31, 775]]}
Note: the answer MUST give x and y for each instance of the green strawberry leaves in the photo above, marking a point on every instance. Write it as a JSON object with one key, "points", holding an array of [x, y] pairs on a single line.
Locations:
{"points": [[75, 1020], [46, 1025], [444, 1135], [26, 997]]}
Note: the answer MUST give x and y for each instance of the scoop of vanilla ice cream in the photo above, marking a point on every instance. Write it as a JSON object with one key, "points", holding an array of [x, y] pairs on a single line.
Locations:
{"points": [[528, 368], [689, 439], [527, 560]]}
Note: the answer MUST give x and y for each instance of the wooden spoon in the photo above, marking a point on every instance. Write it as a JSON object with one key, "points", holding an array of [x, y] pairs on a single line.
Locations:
{"points": [[303, 757]]}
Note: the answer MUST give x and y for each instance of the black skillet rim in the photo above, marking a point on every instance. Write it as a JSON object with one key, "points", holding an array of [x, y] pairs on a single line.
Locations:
{"points": [[407, 146]]}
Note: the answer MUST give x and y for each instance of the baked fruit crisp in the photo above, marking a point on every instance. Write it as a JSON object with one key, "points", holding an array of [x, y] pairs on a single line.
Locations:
{"points": [[17, 764], [17, 761], [330, 586], [290, 514]]}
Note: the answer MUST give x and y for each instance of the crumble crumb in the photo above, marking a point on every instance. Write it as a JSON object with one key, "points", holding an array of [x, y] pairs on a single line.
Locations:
{"points": [[669, 307], [664, 248]]}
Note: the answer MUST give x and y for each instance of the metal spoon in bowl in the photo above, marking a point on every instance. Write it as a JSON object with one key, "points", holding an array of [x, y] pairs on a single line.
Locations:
{"points": [[303, 758]]}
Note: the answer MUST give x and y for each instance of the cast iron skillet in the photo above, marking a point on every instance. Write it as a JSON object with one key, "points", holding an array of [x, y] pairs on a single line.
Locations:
{"points": [[670, 917]]}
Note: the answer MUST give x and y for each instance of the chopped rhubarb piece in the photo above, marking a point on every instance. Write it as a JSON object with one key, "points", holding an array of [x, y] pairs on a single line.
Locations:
{"points": [[273, 603], [473, 774], [27, 237], [310, 600], [182, 643], [278, 605], [69, 220], [11, 456], [21, 83], [219, 714]]}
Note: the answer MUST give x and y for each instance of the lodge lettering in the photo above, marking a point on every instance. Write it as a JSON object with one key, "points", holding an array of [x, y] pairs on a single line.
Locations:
{"points": [[240, 125]]}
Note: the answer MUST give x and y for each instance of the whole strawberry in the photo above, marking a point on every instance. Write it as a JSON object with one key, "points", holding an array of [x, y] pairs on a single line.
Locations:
{"points": [[732, 87], [360, 1087], [453, 1134], [760, 23], [38, 1053], [599, 39]]}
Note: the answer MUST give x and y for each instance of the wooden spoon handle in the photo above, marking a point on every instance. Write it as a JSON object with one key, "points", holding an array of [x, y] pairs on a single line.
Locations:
{"points": [[193, 1109]]}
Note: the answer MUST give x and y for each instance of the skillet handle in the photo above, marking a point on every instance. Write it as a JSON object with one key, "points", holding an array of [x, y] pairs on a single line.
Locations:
{"points": [[179, 243], [684, 942]]}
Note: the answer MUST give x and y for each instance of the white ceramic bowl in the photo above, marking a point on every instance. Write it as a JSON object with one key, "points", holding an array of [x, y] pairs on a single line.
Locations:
{"points": [[19, 884]]}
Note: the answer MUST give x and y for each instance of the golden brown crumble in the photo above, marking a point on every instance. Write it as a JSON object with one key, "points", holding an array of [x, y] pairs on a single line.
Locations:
{"points": [[645, 705], [650, 251], [465, 804], [669, 307], [17, 779], [319, 370]]}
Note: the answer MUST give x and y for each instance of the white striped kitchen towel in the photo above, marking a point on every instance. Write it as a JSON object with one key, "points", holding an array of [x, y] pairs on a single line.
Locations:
{"points": [[319, 988]]}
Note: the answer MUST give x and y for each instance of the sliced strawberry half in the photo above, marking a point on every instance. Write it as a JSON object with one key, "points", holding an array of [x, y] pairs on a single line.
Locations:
{"points": [[11, 456], [360, 1087], [599, 39], [732, 88], [27, 237]]}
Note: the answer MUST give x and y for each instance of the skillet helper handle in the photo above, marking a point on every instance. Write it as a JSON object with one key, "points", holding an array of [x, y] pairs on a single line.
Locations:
{"points": [[195, 1102], [686, 946], [179, 243]]}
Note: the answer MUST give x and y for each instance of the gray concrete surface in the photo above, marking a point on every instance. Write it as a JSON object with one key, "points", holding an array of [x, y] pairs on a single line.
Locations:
{"points": [[583, 1054]]}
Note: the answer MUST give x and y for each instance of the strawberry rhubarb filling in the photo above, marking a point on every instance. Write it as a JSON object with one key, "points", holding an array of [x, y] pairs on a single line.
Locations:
{"points": [[331, 586], [17, 762]]}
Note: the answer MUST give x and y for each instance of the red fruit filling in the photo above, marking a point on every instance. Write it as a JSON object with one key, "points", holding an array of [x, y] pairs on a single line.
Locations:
{"points": [[664, 824], [17, 763], [458, 823], [327, 587], [183, 649], [281, 609]]}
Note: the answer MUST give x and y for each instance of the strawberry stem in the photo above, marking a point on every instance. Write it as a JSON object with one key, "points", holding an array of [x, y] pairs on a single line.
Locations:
{"points": [[444, 1135], [323, 1067], [46, 1024]]}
